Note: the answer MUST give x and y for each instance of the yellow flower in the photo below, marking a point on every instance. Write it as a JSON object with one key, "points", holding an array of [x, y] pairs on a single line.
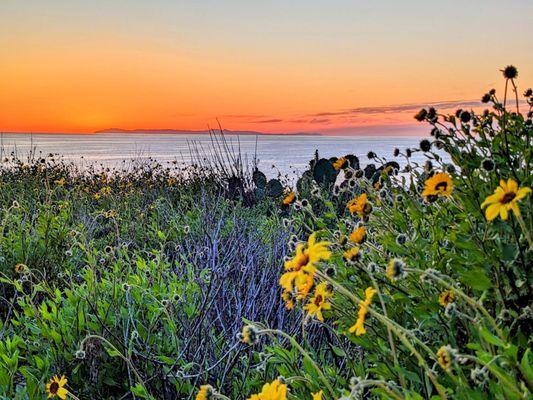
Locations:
{"points": [[342, 239], [97, 196], [446, 298], [318, 395], [249, 335], [110, 214], [105, 191], [444, 357], [288, 298], [205, 392], [20, 268], [352, 253], [340, 163], [440, 184], [359, 326], [504, 199], [56, 387], [289, 198], [272, 391], [300, 270], [319, 301], [395, 269], [358, 235], [360, 205], [60, 182]]}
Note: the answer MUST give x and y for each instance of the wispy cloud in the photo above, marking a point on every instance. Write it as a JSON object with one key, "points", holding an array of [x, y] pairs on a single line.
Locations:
{"points": [[244, 116], [267, 121], [397, 108]]}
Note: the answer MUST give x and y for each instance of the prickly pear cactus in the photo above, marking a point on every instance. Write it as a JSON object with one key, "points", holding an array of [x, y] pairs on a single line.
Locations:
{"points": [[274, 188], [324, 173], [260, 180], [305, 183]]}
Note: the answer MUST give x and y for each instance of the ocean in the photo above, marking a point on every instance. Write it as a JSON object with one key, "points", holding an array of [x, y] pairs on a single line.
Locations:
{"points": [[288, 155]]}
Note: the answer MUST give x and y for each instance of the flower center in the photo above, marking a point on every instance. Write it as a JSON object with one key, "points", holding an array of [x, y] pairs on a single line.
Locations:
{"points": [[54, 387], [442, 186], [318, 300], [303, 261], [508, 197]]}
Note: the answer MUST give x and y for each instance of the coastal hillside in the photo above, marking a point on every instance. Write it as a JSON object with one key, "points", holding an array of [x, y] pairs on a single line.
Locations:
{"points": [[365, 278]]}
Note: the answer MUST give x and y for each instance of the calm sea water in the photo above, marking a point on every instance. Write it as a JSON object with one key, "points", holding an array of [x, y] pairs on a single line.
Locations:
{"points": [[287, 154]]}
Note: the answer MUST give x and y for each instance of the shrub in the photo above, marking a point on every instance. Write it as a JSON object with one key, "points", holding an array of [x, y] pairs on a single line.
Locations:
{"points": [[425, 268]]}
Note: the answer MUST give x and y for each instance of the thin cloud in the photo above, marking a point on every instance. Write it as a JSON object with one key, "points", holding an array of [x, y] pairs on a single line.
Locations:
{"points": [[244, 116], [397, 108], [267, 121]]}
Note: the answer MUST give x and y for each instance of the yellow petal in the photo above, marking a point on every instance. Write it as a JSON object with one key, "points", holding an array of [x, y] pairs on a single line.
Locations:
{"points": [[515, 208], [523, 192], [62, 393], [503, 213], [493, 198], [503, 185], [512, 186], [492, 211]]}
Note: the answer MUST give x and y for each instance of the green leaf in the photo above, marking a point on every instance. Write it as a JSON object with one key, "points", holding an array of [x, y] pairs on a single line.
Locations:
{"points": [[525, 365], [489, 337], [476, 279]]}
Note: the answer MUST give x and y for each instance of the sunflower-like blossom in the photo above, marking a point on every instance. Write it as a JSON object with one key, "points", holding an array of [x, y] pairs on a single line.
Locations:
{"points": [[504, 199], [360, 205], [359, 326], [319, 301], [275, 390], [440, 184], [300, 270]]}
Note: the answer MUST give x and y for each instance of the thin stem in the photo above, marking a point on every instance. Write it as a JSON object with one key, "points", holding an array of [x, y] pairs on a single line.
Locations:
{"points": [[389, 332], [401, 334], [496, 373], [126, 360], [463, 295], [306, 355], [524, 230]]}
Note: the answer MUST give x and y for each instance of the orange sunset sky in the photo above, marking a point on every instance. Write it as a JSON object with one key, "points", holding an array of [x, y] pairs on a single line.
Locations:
{"points": [[337, 67]]}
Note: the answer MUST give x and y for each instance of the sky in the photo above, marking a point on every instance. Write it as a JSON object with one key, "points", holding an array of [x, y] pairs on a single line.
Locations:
{"points": [[330, 66]]}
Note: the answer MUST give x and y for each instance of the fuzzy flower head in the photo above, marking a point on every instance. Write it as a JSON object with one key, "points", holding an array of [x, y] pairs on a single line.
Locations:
{"points": [[440, 184], [504, 199], [275, 390], [289, 299], [56, 387], [395, 269], [358, 235], [510, 72], [319, 301], [360, 205], [352, 254], [445, 357], [446, 297], [20, 268], [359, 327], [340, 163], [206, 392], [289, 198], [249, 335], [300, 270]]}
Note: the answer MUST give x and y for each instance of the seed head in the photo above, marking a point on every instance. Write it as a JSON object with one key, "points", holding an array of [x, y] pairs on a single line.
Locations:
{"points": [[510, 72]]}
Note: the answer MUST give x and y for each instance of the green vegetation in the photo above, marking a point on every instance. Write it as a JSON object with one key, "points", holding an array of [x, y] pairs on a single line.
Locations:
{"points": [[398, 280]]}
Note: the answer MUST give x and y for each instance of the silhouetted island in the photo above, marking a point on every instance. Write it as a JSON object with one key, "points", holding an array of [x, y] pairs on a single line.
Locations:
{"points": [[203, 132]]}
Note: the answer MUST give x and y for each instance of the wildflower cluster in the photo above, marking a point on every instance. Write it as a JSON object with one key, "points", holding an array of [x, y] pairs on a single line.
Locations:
{"points": [[413, 265]]}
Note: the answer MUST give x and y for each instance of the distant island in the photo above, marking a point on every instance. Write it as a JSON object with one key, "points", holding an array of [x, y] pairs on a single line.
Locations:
{"points": [[203, 132]]}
